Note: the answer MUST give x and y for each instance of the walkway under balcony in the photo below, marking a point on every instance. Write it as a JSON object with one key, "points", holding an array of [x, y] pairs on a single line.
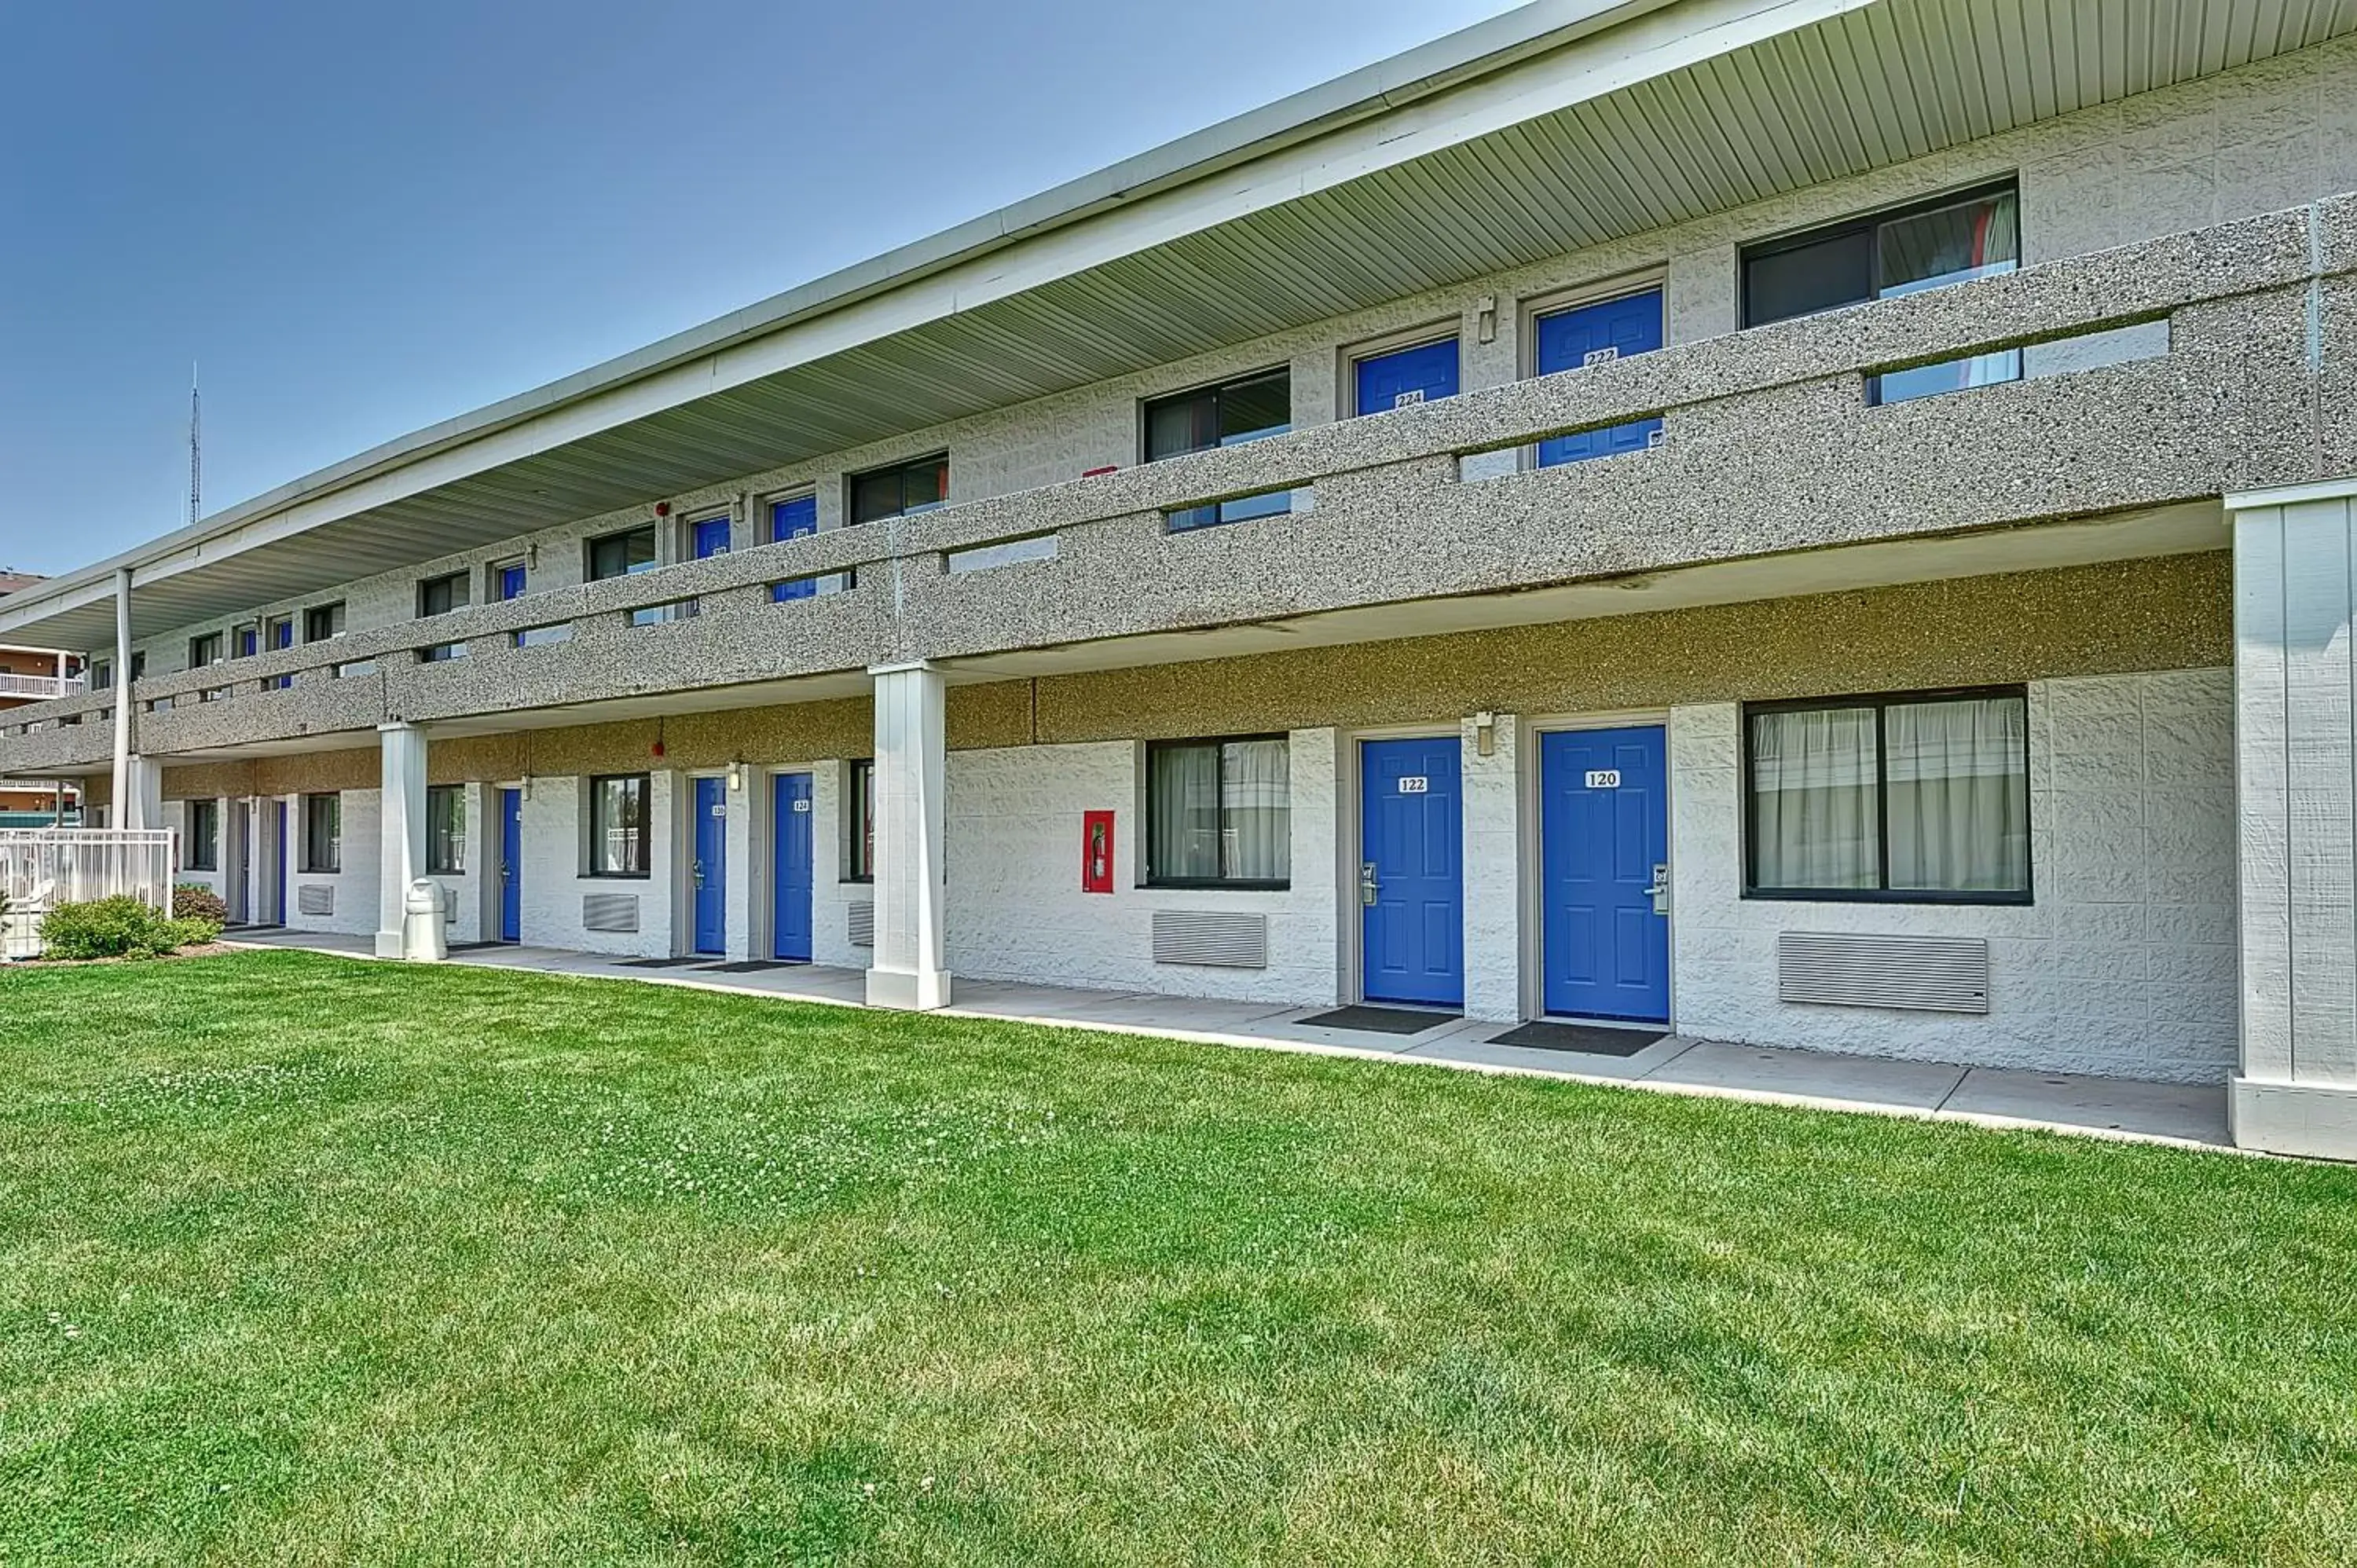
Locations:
{"points": [[2187, 1114]]}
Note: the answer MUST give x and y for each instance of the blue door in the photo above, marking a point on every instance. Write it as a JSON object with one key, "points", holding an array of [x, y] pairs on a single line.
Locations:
{"points": [[1412, 945], [1405, 376], [789, 874], [1604, 828], [791, 520], [511, 865], [511, 583], [1588, 335], [711, 868], [711, 537]]}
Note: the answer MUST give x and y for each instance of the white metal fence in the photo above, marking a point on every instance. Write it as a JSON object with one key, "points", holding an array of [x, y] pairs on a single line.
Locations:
{"points": [[41, 868]]}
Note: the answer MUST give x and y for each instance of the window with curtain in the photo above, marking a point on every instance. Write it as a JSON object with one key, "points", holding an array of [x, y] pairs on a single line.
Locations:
{"points": [[1252, 408], [323, 833], [203, 849], [446, 829], [1910, 798], [1219, 813], [859, 822], [619, 841]]}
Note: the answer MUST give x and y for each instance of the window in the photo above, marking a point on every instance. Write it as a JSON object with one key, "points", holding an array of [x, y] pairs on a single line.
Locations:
{"points": [[1225, 415], [503, 580], [1218, 813], [626, 554], [247, 641], [202, 852], [1919, 797], [901, 491], [138, 666], [1951, 240], [618, 825], [321, 622], [446, 829], [101, 674], [860, 821], [323, 833], [204, 651], [440, 595], [441, 652]]}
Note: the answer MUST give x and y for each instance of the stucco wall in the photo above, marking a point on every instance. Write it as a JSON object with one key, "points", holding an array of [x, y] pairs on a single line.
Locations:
{"points": [[355, 886], [554, 835], [2125, 963], [1017, 911]]}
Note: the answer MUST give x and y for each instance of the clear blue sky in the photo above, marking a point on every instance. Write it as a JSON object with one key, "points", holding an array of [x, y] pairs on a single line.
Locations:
{"points": [[359, 221]]}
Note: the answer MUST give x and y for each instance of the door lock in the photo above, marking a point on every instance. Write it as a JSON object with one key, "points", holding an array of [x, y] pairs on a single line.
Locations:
{"points": [[699, 873], [1660, 891], [1368, 887]]}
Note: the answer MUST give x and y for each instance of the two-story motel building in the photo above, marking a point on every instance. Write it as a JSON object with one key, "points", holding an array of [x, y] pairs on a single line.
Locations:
{"points": [[1821, 522]]}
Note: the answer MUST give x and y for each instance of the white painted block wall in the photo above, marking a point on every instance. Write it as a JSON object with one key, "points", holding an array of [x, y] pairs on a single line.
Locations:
{"points": [[355, 886], [554, 836], [1017, 911], [2125, 963]]}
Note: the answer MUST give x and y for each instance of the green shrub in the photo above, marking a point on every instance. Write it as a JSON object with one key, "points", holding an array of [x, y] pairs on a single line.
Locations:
{"points": [[192, 902], [118, 927]]}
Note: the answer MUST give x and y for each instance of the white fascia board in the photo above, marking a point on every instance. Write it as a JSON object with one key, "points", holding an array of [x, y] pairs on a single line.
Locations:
{"points": [[1608, 47]]}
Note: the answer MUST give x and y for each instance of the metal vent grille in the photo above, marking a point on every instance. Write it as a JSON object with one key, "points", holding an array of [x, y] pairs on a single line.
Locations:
{"points": [[1208, 937], [861, 919], [614, 912], [1933, 974], [315, 898]]}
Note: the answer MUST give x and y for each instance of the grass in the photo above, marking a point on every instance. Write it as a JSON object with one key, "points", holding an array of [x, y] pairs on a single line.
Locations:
{"points": [[304, 1260]]}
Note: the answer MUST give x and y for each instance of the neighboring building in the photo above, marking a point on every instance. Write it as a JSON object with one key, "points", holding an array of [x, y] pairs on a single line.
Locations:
{"points": [[33, 675], [1816, 525]]}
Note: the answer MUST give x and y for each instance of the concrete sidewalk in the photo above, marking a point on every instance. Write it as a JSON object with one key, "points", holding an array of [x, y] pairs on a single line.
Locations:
{"points": [[2187, 1114]]}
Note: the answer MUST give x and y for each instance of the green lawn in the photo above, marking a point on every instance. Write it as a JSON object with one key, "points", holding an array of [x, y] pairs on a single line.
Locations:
{"points": [[309, 1261]]}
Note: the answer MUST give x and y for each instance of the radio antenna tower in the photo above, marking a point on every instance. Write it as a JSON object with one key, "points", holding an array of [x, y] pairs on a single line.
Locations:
{"points": [[195, 448]]}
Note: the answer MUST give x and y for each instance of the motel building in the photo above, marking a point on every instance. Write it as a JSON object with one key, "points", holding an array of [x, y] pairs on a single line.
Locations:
{"points": [[1817, 524]]}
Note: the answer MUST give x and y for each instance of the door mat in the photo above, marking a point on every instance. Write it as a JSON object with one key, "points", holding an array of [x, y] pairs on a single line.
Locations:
{"points": [[661, 963], [755, 966], [1369, 1020], [1587, 1039], [474, 947]]}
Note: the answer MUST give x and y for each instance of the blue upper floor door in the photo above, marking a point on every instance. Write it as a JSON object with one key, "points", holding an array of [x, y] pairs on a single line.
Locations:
{"points": [[710, 537], [511, 583], [1594, 334], [511, 865], [1604, 836], [1404, 377], [791, 872], [1411, 866], [709, 870], [792, 518]]}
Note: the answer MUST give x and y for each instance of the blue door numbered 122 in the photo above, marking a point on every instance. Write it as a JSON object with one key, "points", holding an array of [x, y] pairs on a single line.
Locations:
{"points": [[1591, 334], [1411, 873], [790, 872], [1426, 373], [711, 869], [511, 865], [1604, 837]]}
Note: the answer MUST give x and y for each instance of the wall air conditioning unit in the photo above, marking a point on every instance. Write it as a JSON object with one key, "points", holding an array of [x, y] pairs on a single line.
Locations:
{"points": [[1930, 975]]}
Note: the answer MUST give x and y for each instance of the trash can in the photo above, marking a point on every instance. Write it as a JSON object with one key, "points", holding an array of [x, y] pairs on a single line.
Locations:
{"points": [[424, 938]]}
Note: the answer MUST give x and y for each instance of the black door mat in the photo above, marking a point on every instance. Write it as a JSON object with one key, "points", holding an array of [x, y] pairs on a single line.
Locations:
{"points": [[659, 962], [1587, 1039], [474, 947], [755, 966], [1369, 1020]]}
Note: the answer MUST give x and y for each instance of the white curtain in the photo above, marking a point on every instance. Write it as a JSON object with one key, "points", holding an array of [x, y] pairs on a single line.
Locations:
{"points": [[1183, 796], [1959, 795], [1813, 812], [1221, 811], [1258, 788]]}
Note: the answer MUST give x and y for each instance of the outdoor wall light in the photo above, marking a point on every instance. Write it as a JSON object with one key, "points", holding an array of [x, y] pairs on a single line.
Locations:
{"points": [[1485, 732]]}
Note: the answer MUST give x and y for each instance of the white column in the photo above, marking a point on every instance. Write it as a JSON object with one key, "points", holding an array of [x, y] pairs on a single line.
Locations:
{"points": [[910, 966], [2295, 745], [122, 813], [400, 830], [1494, 864], [145, 800]]}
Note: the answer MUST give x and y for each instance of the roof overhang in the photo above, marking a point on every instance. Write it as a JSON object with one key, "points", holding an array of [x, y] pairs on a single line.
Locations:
{"points": [[1604, 119]]}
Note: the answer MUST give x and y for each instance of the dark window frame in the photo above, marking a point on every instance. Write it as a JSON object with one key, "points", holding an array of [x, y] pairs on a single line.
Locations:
{"points": [[1864, 222], [324, 614], [593, 815], [200, 643], [859, 820], [901, 471], [589, 572], [1878, 702], [437, 863], [311, 863], [208, 843], [1189, 520], [462, 595], [1217, 745]]}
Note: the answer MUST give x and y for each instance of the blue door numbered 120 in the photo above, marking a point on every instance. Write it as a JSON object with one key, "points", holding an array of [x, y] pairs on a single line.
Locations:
{"points": [[790, 872], [1592, 335], [710, 871], [1411, 873], [1604, 837], [1426, 373], [511, 865]]}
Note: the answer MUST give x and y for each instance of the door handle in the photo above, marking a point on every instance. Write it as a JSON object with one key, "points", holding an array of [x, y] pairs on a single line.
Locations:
{"points": [[699, 873], [1369, 888], [1660, 891]]}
